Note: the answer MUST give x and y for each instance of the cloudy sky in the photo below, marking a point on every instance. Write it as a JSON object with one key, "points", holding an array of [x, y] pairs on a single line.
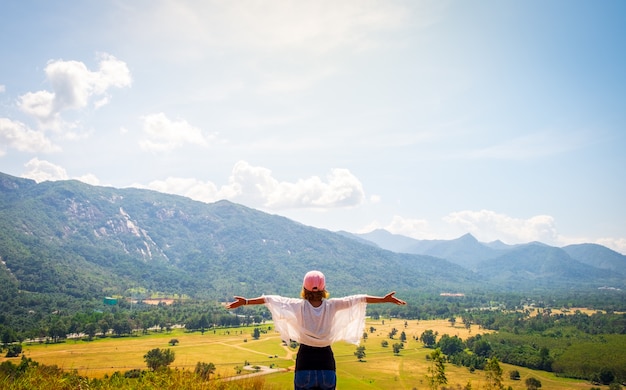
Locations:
{"points": [[431, 119]]}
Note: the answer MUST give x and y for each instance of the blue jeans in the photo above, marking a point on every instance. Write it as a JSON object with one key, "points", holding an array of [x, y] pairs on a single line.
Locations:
{"points": [[315, 379]]}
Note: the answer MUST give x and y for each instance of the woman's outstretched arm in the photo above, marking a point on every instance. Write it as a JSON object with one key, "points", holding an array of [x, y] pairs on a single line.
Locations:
{"points": [[241, 301], [389, 298]]}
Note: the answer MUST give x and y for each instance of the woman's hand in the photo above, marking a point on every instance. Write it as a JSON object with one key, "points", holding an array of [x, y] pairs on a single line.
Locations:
{"points": [[239, 301], [390, 298]]}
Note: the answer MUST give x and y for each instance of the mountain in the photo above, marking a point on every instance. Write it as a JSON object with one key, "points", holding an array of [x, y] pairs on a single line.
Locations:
{"points": [[67, 242], [541, 266], [598, 256], [465, 251], [82, 241], [532, 265]]}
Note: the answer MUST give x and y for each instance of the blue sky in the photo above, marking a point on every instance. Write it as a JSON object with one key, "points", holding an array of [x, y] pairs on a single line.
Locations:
{"points": [[429, 119]]}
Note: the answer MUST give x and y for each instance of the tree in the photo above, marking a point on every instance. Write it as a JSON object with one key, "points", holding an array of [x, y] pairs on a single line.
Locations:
{"points": [[450, 345], [104, 326], [428, 337], [256, 334], [8, 336], [360, 353], [204, 370], [482, 348], [397, 347], [173, 342], [58, 331], [468, 323], [158, 358], [90, 330], [514, 374], [493, 374], [122, 326], [533, 383], [14, 350], [437, 370], [403, 337], [546, 360], [605, 376], [203, 323]]}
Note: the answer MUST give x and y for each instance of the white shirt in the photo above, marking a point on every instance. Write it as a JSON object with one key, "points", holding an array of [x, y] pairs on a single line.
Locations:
{"points": [[336, 319]]}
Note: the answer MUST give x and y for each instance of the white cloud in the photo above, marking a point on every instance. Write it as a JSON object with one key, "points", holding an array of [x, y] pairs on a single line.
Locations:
{"points": [[414, 228], [189, 187], [485, 225], [3, 88], [41, 170], [164, 134], [17, 135], [40, 104], [89, 178], [488, 225], [73, 85], [256, 187]]}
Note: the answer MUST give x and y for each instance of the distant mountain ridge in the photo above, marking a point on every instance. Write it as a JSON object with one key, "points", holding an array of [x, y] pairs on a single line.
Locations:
{"points": [[71, 239], [514, 265]]}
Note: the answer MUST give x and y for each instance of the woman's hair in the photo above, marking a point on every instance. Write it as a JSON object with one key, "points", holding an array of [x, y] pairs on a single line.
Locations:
{"points": [[313, 295]]}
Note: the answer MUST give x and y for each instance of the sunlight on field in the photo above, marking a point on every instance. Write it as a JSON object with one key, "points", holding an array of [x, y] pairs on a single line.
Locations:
{"points": [[230, 349]]}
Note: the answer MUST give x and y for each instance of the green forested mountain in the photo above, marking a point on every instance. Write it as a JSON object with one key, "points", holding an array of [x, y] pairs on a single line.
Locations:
{"points": [[82, 242], [70, 238]]}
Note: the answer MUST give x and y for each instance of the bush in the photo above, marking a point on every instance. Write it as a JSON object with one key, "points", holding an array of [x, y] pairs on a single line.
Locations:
{"points": [[204, 370], [134, 373], [533, 383], [158, 358], [14, 350]]}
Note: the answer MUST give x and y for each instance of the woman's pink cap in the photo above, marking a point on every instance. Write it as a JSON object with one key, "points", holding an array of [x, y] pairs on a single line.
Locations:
{"points": [[314, 281]]}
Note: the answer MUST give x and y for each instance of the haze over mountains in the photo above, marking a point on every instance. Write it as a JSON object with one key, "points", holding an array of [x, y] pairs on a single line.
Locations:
{"points": [[83, 241]]}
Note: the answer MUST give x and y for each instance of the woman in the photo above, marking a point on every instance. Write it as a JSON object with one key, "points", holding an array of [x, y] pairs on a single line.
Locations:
{"points": [[316, 322]]}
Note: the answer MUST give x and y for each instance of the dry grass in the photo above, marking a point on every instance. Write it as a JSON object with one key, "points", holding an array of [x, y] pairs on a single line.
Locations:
{"points": [[228, 349]]}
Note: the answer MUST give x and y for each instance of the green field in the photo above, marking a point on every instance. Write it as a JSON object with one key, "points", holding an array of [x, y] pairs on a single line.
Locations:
{"points": [[229, 349]]}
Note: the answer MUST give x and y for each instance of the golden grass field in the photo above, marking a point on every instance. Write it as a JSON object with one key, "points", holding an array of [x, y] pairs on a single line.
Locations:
{"points": [[230, 348]]}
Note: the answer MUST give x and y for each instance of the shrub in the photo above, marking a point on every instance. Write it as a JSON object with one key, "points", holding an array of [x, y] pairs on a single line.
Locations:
{"points": [[533, 383], [158, 358], [14, 350], [514, 374], [134, 373], [204, 370]]}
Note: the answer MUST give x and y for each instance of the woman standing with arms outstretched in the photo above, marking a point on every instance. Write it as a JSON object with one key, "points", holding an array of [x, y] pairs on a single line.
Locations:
{"points": [[316, 322]]}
